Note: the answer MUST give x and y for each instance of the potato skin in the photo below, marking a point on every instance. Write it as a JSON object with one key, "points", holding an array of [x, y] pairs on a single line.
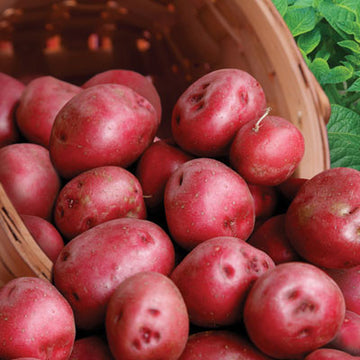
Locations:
{"points": [[269, 153], [39, 104], [348, 279], [271, 238], [329, 354], [29, 178], [95, 196], [132, 79], [146, 319], [154, 168], [211, 110], [45, 234], [91, 347], [220, 344], [94, 263], [348, 337], [323, 221], [215, 278], [35, 321], [205, 198], [10, 93], [106, 124], [301, 305]]}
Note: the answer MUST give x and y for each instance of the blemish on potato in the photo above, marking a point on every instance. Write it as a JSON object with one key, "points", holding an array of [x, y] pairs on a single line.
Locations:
{"points": [[65, 255], [154, 312], [229, 271], [305, 332]]}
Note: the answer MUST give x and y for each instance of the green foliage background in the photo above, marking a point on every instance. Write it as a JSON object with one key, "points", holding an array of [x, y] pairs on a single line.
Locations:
{"points": [[327, 33]]}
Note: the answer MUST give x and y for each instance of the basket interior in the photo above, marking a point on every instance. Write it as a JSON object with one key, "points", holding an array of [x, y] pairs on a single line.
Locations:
{"points": [[173, 42]]}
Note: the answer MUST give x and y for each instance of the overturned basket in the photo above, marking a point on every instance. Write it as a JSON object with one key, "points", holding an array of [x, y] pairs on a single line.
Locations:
{"points": [[174, 42]]}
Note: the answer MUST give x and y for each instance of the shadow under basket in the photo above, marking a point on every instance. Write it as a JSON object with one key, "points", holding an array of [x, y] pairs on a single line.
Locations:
{"points": [[173, 42]]}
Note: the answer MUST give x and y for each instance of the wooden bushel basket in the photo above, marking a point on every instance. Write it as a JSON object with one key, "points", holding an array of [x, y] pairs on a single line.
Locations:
{"points": [[174, 42]]}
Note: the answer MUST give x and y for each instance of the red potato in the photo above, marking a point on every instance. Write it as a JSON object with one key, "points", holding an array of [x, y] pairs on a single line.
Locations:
{"points": [[134, 80], [271, 238], [39, 104], [211, 110], [330, 354], [205, 198], [91, 347], [265, 200], [35, 321], [220, 344], [154, 168], [293, 309], [215, 278], [94, 263], [348, 337], [267, 151], [29, 178], [107, 124], [322, 222], [10, 93], [348, 280], [146, 319], [45, 234], [95, 196]]}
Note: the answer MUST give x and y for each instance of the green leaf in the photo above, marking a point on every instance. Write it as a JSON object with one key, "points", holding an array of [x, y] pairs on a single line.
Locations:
{"points": [[341, 17], [281, 6], [302, 3], [325, 75], [353, 59], [309, 41], [350, 45], [344, 137], [300, 20], [355, 86]]}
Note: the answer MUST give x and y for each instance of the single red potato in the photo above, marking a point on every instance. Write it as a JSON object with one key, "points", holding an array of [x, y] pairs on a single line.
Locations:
{"points": [[29, 178], [267, 151], [91, 347], [10, 93], [323, 221], [330, 354], [220, 344], [35, 321], [146, 319], [39, 104], [94, 263], [293, 309], [205, 198], [265, 200], [45, 234], [215, 278], [154, 168], [271, 238], [211, 110], [134, 80], [107, 124], [95, 196], [348, 337], [348, 280]]}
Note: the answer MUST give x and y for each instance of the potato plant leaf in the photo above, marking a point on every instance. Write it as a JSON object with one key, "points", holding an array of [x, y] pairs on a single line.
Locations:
{"points": [[309, 41], [327, 33], [327, 75], [344, 137], [300, 20], [281, 6]]}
